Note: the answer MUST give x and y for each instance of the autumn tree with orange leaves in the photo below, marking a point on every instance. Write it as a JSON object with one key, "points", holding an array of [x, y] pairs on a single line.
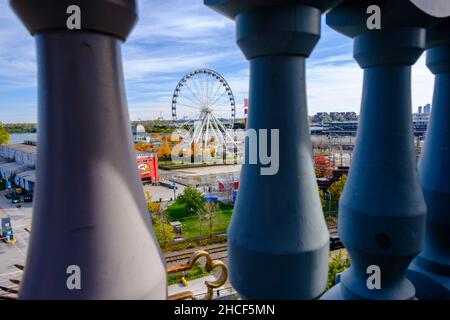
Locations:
{"points": [[165, 152]]}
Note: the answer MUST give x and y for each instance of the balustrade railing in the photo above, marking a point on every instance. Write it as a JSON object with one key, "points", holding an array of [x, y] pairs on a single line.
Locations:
{"points": [[89, 210], [88, 191], [382, 210], [430, 271], [278, 241], [11, 292]]}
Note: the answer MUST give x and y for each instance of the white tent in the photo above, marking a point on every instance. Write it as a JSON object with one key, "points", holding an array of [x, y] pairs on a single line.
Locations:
{"points": [[9, 169], [26, 179]]}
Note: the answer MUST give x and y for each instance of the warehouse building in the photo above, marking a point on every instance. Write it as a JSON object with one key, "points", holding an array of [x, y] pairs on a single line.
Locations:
{"points": [[22, 153], [26, 180], [18, 163]]}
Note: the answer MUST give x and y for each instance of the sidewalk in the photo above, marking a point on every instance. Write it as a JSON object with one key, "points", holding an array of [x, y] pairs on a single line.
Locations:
{"points": [[20, 218], [199, 288]]}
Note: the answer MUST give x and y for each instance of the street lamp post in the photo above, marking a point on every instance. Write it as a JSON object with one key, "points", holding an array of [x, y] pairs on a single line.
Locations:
{"points": [[174, 191], [329, 202]]}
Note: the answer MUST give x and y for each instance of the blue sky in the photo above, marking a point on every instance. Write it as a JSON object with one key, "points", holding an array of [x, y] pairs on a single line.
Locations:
{"points": [[174, 37]]}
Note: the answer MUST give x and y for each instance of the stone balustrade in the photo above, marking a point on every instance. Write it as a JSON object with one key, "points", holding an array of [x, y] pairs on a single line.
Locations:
{"points": [[88, 191], [430, 271], [89, 207]]}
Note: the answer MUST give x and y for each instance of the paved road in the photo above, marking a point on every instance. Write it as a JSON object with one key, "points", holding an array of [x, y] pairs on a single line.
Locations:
{"points": [[218, 170], [199, 288], [163, 193], [11, 254]]}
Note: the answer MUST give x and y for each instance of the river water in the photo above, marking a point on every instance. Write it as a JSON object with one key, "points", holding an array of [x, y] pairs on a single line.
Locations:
{"points": [[21, 137]]}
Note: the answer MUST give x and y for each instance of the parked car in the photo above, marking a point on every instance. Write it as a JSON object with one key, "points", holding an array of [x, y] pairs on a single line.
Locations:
{"points": [[15, 199]]}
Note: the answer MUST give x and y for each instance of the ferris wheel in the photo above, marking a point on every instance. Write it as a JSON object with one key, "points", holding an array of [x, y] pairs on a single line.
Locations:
{"points": [[204, 103], [201, 91]]}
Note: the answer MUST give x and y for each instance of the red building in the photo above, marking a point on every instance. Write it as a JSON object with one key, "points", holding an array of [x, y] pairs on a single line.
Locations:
{"points": [[147, 164]]}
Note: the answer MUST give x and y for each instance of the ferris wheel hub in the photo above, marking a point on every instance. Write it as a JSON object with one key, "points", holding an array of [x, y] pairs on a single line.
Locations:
{"points": [[207, 109]]}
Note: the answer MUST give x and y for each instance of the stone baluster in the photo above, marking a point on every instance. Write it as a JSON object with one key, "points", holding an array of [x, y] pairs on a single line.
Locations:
{"points": [[278, 241], [430, 271], [382, 210], [90, 223]]}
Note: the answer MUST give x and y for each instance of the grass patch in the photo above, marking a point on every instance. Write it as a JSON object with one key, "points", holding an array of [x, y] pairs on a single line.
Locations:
{"points": [[176, 211], [191, 223], [189, 244], [196, 272]]}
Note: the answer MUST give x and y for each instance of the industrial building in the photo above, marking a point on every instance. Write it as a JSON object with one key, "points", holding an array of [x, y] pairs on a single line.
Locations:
{"points": [[421, 120], [18, 163]]}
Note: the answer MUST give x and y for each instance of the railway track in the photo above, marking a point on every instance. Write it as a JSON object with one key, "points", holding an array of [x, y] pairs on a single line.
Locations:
{"points": [[335, 244], [187, 255]]}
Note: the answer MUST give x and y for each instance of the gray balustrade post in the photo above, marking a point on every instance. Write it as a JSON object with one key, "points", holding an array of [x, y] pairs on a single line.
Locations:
{"points": [[382, 210], [90, 223], [430, 271], [278, 241]]}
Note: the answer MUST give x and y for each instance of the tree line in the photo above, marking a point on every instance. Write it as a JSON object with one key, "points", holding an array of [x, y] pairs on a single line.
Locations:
{"points": [[20, 127]]}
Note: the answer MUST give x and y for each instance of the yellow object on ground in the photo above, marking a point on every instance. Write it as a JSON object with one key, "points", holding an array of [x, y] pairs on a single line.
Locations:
{"points": [[13, 241], [184, 281]]}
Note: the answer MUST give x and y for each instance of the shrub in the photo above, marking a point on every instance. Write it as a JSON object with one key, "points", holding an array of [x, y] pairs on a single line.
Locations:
{"points": [[338, 263]]}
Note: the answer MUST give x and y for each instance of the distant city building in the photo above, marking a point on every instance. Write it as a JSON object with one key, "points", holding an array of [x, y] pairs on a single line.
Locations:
{"points": [[346, 123], [18, 163], [420, 123], [334, 116]]}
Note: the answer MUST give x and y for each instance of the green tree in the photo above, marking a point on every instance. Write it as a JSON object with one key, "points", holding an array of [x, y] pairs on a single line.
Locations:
{"points": [[163, 230], [209, 212], [338, 263], [337, 187], [322, 198], [4, 135], [153, 207], [148, 195], [192, 199]]}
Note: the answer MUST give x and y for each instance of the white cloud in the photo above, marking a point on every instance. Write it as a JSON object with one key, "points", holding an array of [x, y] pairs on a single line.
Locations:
{"points": [[422, 84], [339, 87], [174, 37]]}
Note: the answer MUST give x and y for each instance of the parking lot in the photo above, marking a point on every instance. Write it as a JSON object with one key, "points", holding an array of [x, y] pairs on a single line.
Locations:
{"points": [[11, 254]]}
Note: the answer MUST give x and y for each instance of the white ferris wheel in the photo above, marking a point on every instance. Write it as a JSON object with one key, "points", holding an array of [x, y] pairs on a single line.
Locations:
{"points": [[204, 105]]}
